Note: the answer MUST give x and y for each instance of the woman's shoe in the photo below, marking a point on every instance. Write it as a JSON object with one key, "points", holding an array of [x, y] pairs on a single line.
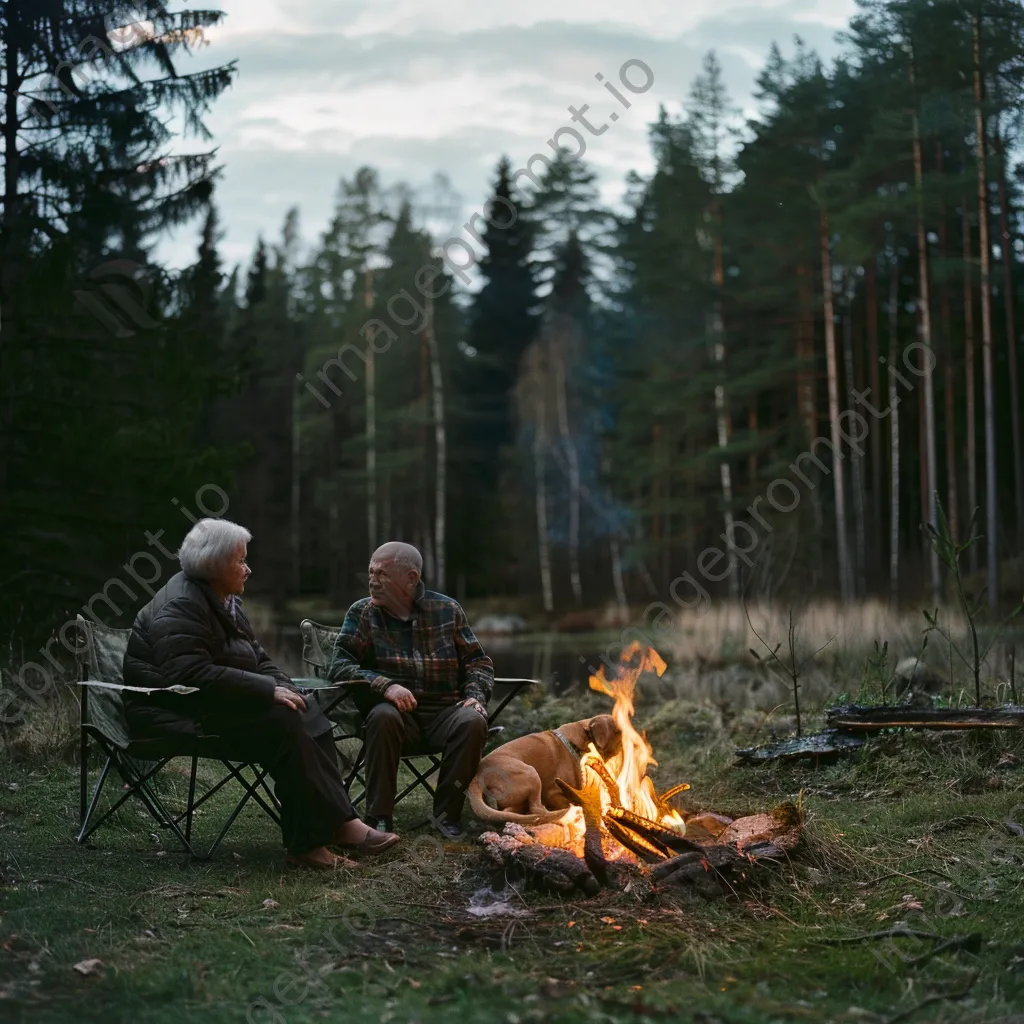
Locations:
{"points": [[372, 843], [319, 860]]}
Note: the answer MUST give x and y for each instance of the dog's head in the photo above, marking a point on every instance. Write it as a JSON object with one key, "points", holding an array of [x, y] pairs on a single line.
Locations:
{"points": [[605, 733]]}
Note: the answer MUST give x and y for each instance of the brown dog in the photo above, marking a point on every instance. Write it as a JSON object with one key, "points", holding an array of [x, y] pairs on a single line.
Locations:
{"points": [[519, 777]]}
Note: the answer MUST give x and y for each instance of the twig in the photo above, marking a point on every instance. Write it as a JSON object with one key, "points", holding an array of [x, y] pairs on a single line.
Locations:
{"points": [[935, 999], [971, 942], [889, 933], [907, 874]]}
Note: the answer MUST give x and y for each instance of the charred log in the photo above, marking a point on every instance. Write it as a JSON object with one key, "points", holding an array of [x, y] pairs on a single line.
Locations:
{"points": [[651, 831], [649, 850], [549, 868], [589, 798], [870, 718]]}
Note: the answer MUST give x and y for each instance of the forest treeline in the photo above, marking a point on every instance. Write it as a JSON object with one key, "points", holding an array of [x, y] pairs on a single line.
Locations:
{"points": [[768, 369]]}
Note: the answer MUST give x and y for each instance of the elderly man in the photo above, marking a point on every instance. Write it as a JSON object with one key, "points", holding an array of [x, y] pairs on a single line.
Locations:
{"points": [[425, 682]]}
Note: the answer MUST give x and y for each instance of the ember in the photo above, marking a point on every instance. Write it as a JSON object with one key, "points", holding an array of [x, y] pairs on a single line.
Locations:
{"points": [[618, 820]]}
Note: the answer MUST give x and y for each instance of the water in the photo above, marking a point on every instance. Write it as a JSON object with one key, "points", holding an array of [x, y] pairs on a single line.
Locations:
{"points": [[561, 661]]}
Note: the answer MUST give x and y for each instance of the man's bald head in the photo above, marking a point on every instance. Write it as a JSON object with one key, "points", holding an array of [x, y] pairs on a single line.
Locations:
{"points": [[405, 556], [395, 570]]}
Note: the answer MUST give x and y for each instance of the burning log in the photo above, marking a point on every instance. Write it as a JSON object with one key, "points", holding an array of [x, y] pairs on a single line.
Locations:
{"points": [[549, 867], [662, 801], [589, 798], [653, 831], [606, 777], [649, 850]]}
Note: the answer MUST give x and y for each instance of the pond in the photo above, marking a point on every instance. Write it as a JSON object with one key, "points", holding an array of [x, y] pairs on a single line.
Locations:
{"points": [[562, 661]]}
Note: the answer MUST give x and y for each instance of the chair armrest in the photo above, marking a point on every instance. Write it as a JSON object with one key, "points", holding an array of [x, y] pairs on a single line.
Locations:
{"points": [[315, 683], [120, 687]]}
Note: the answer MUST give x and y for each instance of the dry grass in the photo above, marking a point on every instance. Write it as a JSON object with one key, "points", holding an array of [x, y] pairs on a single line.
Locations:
{"points": [[716, 638]]}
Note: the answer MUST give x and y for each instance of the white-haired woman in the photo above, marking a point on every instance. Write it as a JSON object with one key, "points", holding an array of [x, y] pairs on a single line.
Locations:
{"points": [[194, 633]]}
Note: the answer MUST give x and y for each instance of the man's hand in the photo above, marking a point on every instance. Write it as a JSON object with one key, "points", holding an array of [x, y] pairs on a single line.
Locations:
{"points": [[402, 698], [472, 702], [291, 699]]}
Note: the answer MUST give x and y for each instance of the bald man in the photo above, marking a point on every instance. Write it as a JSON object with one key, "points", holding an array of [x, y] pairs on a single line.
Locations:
{"points": [[424, 682]]}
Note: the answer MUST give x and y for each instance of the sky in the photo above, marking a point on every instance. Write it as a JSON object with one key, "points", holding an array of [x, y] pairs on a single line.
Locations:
{"points": [[416, 88]]}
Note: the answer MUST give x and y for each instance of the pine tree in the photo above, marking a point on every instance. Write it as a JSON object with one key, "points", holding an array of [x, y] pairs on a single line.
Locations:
{"points": [[90, 371]]}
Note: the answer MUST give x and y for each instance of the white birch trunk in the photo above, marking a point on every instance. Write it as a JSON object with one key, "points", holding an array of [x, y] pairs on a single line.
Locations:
{"points": [[845, 589], [371, 425], [572, 463]]}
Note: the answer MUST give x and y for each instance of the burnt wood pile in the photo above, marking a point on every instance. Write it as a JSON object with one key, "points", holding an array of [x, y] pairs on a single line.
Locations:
{"points": [[716, 855]]}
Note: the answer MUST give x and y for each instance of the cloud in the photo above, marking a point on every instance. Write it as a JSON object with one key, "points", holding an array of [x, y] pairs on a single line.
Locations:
{"points": [[325, 86]]}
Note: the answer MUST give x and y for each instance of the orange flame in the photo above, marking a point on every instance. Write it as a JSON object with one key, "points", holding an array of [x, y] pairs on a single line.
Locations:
{"points": [[629, 768]]}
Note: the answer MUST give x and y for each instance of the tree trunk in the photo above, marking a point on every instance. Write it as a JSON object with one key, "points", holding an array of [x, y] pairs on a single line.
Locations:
{"points": [[296, 494], [991, 493], [1006, 247], [857, 474], [876, 435], [945, 307], [894, 432], [925, 330], [11, 248], [440, 445], [371, 424], [572, 463], [721, 409], [845, 582], [971, 413], [805, 355], [540, 444], [617, 581]]}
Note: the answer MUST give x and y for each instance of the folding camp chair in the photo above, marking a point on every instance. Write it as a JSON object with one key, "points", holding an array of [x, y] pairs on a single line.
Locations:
{"points": [[336, 700], [139, 761]]}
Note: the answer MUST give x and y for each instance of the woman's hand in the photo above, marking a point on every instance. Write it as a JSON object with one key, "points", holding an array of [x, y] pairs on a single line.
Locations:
{"points": [[291, 699]]}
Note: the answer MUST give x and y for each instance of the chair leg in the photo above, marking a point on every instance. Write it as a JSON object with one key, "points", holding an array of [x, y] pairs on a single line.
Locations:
{"points": [[190, 808], [420, 777], [250, 792], [83, 833], [83, 777]]}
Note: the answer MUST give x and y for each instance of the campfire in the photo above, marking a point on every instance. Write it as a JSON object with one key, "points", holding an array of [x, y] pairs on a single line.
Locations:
{"points": [[618, 823]]}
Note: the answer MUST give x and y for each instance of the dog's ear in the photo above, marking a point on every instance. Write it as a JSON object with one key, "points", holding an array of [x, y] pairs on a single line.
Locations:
{"points": [[607, 737]]}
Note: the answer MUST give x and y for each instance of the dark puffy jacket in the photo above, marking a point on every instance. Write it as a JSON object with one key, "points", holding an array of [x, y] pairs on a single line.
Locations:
{"points": [[184, 636]]}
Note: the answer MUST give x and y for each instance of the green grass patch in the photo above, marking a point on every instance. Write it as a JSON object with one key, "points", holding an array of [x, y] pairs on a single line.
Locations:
{"points": [[910, 831]]}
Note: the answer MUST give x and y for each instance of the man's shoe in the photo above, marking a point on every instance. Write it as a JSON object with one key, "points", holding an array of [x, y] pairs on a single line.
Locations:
{"points": [[449, 829], [380, 824]]}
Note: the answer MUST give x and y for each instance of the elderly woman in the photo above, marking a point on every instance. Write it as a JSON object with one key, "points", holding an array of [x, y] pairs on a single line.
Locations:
{"points": [[194, 633]]}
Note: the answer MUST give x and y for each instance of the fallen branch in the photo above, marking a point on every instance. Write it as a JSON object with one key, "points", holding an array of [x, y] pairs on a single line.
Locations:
{"points": [[906, 1014], [871, 718]]}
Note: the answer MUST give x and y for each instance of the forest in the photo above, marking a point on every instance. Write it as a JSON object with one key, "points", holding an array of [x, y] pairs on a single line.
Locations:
{"points": [[794, 346]]}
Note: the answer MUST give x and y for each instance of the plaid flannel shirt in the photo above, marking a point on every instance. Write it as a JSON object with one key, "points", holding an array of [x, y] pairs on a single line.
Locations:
{"points": [[434, 654]]}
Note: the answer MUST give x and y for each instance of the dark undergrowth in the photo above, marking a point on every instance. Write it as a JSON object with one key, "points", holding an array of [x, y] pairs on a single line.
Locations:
{"points": [[918, 831]]}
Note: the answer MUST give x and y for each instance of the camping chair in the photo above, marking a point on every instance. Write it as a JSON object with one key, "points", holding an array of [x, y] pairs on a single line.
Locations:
{"points": [[138, 761], [317, 648]]}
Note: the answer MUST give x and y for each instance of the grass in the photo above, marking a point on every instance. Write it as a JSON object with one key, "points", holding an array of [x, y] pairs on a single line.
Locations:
{"points": [[912, 830]]}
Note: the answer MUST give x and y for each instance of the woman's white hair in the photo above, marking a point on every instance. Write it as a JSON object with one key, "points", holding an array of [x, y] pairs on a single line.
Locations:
{"points": [[208, 545]]}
